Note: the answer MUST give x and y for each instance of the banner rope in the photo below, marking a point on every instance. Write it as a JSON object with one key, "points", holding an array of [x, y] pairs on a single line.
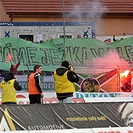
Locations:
{"points": [[13, 119]]}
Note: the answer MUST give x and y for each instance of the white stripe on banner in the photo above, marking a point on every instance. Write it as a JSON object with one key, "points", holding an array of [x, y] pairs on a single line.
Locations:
{"points": [[86, 130]]}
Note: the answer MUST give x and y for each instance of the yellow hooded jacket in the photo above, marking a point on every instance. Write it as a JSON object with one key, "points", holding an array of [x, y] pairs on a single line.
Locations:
{"points": [[62, 84], [8, 91]]}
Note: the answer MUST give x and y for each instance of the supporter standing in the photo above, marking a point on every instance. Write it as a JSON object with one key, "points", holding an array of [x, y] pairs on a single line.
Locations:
{"points": [[9, 86], [65, 78], [14, 68], [34, 88]]}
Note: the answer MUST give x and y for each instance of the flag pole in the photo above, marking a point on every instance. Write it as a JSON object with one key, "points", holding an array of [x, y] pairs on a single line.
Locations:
{"points": [[118, 70], [64, 32]]}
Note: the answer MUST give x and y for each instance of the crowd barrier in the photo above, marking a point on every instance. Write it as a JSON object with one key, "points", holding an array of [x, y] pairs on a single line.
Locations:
{"points": [[93, 98], [79, 97]]}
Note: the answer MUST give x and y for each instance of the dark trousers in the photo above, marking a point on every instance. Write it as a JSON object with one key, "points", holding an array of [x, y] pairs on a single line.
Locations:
{"points": [[9, 103], [35, 98]]}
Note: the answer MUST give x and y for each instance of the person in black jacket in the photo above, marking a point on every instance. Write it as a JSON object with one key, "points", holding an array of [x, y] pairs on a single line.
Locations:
{"points": [[65, 77]]}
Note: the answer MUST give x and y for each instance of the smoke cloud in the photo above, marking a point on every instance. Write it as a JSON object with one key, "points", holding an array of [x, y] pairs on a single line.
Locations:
{"points": [[110, 60], [106, 63], [93, 10]]}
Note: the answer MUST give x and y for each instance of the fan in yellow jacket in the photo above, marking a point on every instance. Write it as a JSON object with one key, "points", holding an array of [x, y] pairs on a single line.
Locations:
{"points": [[9, 86]]}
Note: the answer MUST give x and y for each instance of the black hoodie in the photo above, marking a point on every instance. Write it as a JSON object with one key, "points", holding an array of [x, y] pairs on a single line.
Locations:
{"points": [[72, 76], [10, 76]]}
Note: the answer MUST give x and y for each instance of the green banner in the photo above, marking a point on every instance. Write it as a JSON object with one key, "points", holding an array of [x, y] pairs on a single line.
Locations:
{"points": [[87, 55]]}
